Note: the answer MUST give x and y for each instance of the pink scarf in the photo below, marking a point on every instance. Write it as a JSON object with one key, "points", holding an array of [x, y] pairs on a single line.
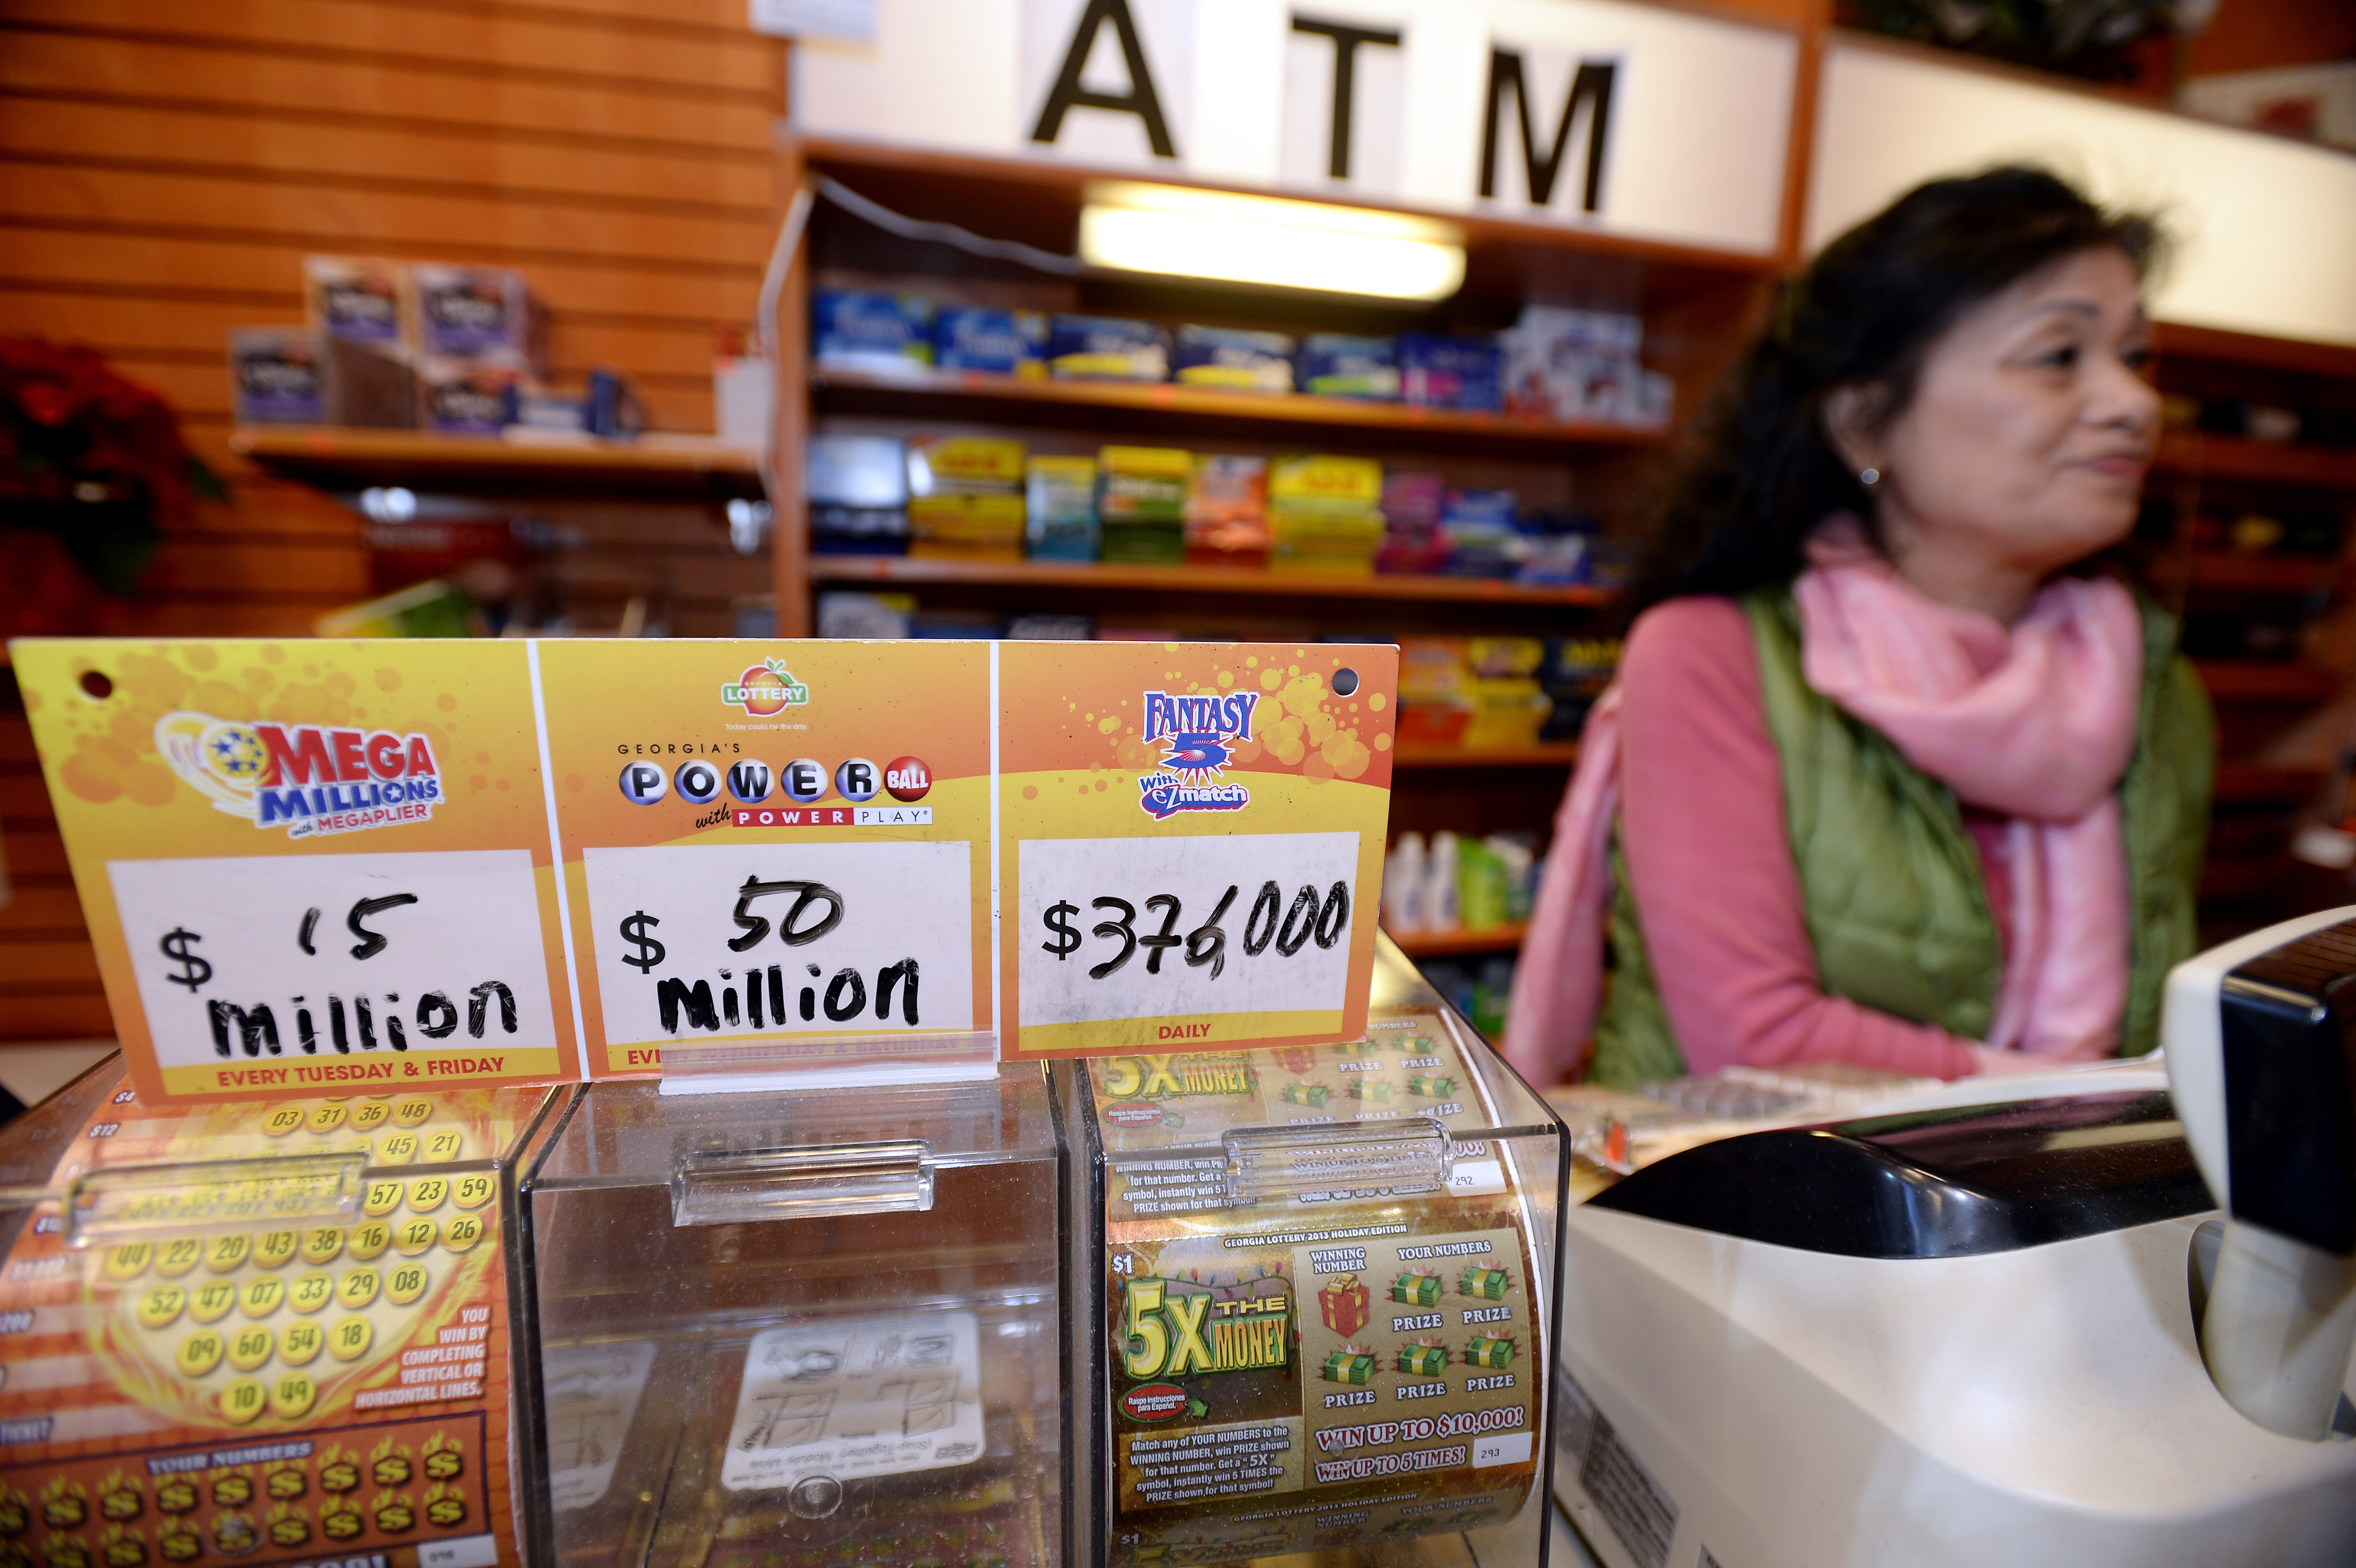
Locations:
{"points": [[2037, 724]]}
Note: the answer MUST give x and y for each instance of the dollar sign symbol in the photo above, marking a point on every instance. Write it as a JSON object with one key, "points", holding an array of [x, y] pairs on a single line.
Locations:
{"points": [[650, 952], [194, 971], [1066, 940]]}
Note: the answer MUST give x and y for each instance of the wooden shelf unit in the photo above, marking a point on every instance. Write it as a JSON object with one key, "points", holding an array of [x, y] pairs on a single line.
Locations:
{"points": [[1462, 942], [337, 458], [912, 571]]}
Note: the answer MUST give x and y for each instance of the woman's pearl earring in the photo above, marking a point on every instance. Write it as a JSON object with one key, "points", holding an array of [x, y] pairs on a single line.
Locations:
{"points": [[1868, 476]]}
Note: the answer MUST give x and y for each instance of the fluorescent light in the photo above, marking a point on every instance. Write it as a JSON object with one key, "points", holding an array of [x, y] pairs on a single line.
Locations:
{"points": [[1263, 240]]}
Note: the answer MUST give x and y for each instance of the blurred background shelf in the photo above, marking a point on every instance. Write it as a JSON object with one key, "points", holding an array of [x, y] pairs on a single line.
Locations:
{"points": [[909, 570], [1563, 754], [1463, 944], [339, 459]]}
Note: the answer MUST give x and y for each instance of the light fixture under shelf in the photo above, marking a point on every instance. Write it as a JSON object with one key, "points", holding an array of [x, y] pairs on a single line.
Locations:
{"points": [[1174, 231]]}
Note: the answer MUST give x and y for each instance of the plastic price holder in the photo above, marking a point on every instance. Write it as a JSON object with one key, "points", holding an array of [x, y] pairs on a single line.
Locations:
{"points": [[1313, 1298], [813, 1328], [272, 1332]]}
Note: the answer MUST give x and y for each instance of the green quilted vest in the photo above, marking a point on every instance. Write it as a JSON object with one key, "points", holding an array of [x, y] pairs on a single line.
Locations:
{"points": [[1896, 906]]}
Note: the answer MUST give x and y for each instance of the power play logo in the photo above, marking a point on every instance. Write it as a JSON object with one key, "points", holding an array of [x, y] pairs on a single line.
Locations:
{"points": [[305, 779], [1199, 734]]}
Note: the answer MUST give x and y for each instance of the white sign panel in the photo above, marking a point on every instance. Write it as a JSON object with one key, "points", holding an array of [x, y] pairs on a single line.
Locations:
{"points": [[591, 1394], [1624, 118], [871, 1396], [338, 969], [715, 942], [1116, 928]]}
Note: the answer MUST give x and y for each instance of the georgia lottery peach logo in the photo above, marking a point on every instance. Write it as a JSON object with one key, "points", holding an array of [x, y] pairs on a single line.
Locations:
{"points": [[763, 689]]}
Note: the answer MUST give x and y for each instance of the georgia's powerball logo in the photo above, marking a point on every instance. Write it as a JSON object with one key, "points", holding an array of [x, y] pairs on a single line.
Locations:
{"points": [[765, 688], [303, 778], [1198, 735]]}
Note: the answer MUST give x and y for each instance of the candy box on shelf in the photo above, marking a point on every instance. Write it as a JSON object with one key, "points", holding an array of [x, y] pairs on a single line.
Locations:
{"points": [[1107, 348], [870, 329], [1234, 360], [1336, 364], [1342, 1304], [1004, 342], [486, 313], [465, 397], [359, 300], [1449, 371], [1061, 496], [276, 376], [1416, 1288]]}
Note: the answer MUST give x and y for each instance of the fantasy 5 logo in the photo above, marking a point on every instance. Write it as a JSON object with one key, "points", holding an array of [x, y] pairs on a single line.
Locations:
{"points": [[1174, 1328], [1199, 735]]}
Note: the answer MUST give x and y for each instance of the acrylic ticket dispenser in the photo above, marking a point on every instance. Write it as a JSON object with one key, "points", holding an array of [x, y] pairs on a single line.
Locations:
{"points": [[263, 1332], [782, 1329], [1313, 1298]]}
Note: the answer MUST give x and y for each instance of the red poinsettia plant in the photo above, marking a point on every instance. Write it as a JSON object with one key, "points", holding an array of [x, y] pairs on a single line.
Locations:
{"points": [[92, 457]]}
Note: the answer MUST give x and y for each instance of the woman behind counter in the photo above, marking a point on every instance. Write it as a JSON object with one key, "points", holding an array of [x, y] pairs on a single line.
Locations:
{"points": [[1883, 780]]}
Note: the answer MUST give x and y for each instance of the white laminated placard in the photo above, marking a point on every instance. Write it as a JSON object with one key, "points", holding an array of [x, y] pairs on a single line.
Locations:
{"points": [[310, 972], [591, 1394], [855, 1397]]}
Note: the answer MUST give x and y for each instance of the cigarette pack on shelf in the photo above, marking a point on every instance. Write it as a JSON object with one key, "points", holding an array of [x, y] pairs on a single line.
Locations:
{"points": [[479, 312], [275, 376], [815, 1329], [1062, 505], [359, 300], [870, 329], [1107, 348], [965, 497], [1335, 365], [858, 487], [271, 1333], [1238, 361], [1237, 1393], [1226, 511], [1004, 342], [1446, 370], [1141, 503]]}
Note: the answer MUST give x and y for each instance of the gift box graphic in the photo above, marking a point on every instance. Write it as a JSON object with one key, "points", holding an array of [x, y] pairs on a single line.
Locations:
{"points": [[1348, 1365], [1342, 1303], [1360, 1089], [1416, 1289], [1483, 1351], [1488, 1283], [1306, 1093], [1430, 1085], [1422, 1360]]}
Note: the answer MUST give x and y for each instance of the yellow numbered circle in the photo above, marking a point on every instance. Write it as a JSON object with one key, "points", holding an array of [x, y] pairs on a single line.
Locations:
{"points": [[412, 1113], [461, 1231], [292, 1395], [322, 1243], [370, 1240], [227, 1253], [130, 1260], [382, 1198], [426, 1193], [199, 1353], [262, 1297], [212, 1301], [178, 1258], [411, 1237], [161, 1305], [406, 1284], [277, 1249], [473, 1191], [371, 1115], [348, 1341], [326, 1118], [360, 1287], [299, 1346], [282, 1120], [249, 1348], [445, 1146], [312, 1291], [243, 1400], [397, 1148]]}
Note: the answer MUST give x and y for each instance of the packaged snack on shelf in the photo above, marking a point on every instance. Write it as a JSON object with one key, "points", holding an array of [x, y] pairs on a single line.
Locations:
{"points": [[1239, 361], [1005, 342], [1062, 524], [1324, 514], [1435, 693], [1335, 365], [1444, 370], [359, 300], [478, 312], [1297, 1409], [858, 489], [1227, 510], [1574, 673], [276, 376], [1483, 538], [1107, 348], [1341, 481], [965, 497], [1141, 503], [868, 329], [465, 397], [945, 464]]}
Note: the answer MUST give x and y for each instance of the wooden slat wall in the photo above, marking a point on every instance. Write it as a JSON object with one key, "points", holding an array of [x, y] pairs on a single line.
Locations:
{"points": [[163, 168]]}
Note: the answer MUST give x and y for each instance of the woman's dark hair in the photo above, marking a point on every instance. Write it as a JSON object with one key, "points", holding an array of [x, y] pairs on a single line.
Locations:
{"points": [[1758, 474]]}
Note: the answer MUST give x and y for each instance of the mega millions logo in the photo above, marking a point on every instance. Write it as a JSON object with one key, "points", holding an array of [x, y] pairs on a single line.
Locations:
{"points": [[766, 688], [1198, 735], [301, 778]]}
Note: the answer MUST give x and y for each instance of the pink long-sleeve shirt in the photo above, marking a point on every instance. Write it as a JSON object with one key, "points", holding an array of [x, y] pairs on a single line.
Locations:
{"points": [[1708, 852]]}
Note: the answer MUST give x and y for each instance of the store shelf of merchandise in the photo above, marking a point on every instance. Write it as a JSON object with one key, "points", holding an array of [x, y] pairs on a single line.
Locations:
{"points": [[2260, 462], [974, 395], [1545, 754], [913, 571], [2260, 681], [341, 458], [1462, 942]]}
